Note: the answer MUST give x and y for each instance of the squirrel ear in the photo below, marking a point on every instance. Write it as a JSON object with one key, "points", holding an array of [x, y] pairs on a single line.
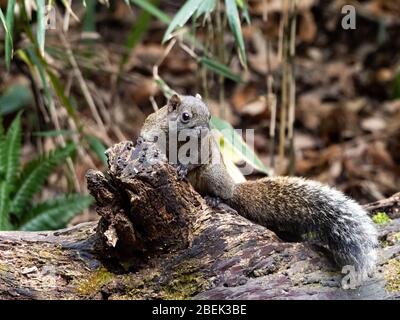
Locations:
{"points": [[198, 96], [174, 102]]}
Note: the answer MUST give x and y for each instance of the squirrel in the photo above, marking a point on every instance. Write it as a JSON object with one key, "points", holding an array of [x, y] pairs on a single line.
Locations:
{"points": [[286, 205]]}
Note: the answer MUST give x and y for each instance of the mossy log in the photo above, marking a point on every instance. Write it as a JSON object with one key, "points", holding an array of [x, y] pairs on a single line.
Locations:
{"points": [[158, 239]]}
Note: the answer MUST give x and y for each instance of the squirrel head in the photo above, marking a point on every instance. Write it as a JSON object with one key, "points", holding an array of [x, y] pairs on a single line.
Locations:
{"points": [[189, 112]]}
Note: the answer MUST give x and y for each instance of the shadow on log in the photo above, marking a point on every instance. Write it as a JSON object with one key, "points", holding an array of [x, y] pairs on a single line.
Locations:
{"points": [[157, 239]]}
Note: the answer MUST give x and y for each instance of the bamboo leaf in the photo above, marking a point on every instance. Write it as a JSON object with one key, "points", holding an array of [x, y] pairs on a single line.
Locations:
{"points": [[138, 31], [229, 157], [41, 30], [34, 64], [219, 68], [7, 40], [8, 24], [89, 22], [206, 7], [245, 11], [234, 24], [152, 9], [54, 133], [239, 147], [181, 17], [60, 93]]}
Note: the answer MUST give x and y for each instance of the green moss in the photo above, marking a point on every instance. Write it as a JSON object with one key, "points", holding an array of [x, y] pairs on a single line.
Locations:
{"points": [[94, 282], [186, 282], [139, 285], [397, 236], [392, 275], [381, 218], [183, 287]]}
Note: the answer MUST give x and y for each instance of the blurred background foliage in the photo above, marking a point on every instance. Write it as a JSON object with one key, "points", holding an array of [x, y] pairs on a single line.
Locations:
{"points": [[78, 76]]}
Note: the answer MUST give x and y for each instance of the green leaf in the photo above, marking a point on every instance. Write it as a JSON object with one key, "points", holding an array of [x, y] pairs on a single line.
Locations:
{"points": [[182, 16], [44, 70], [54, 133], [60, 93], [98, 148], [8, 40], [12, 152], [234, 24], [14, 99], [206, 7], [137, 32], [238, 145], [55, 214], [8, 24], [89, 22], [219, 68], [4, 206], [41, 30], [164, 87], [34, 175], [153, 10], [245, 11], [34, 64]]}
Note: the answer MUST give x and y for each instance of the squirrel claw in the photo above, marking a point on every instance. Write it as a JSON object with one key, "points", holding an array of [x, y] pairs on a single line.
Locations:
{"points": [[182, 171], [217, 203], [213, 202]]}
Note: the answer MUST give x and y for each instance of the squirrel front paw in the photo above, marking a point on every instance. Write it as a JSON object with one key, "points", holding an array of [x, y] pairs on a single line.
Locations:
{"points": [[213, 202], [182, 171], [217, 203]]}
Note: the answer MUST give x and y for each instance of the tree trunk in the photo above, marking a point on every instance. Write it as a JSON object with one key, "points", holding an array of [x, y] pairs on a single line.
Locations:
{"points": [[157, 238]]}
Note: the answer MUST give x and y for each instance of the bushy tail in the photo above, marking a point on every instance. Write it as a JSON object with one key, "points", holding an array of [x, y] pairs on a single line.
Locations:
{"points": [[304, 207]]}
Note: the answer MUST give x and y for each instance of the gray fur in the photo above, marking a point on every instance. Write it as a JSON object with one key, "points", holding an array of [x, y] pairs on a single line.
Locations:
{"points": [[301, 207]]}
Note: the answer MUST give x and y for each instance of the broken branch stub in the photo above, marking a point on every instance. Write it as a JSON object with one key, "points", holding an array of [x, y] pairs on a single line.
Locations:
{"points": [[144, 208]]}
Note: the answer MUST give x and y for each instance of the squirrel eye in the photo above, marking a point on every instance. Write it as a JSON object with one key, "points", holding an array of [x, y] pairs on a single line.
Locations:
{"points": [[185, 117]]}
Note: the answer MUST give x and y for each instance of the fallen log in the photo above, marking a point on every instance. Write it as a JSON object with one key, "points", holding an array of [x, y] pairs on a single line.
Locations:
{"points": [[157, 239]]}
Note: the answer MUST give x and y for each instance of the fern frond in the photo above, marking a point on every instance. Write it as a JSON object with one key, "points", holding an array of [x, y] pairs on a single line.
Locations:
{"points": [[2, 141], [56, 213], [12, 152], [34, 175], [4, 206]]}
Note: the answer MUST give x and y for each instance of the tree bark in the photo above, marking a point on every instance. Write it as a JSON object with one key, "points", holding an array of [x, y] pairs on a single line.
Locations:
{"points": [[157, 238]]}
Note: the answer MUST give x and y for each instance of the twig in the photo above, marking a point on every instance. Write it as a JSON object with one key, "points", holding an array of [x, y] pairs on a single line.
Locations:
{"points": [[220, 48], [292, 84], [153, 103], [271, 97], [82, 83]]}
